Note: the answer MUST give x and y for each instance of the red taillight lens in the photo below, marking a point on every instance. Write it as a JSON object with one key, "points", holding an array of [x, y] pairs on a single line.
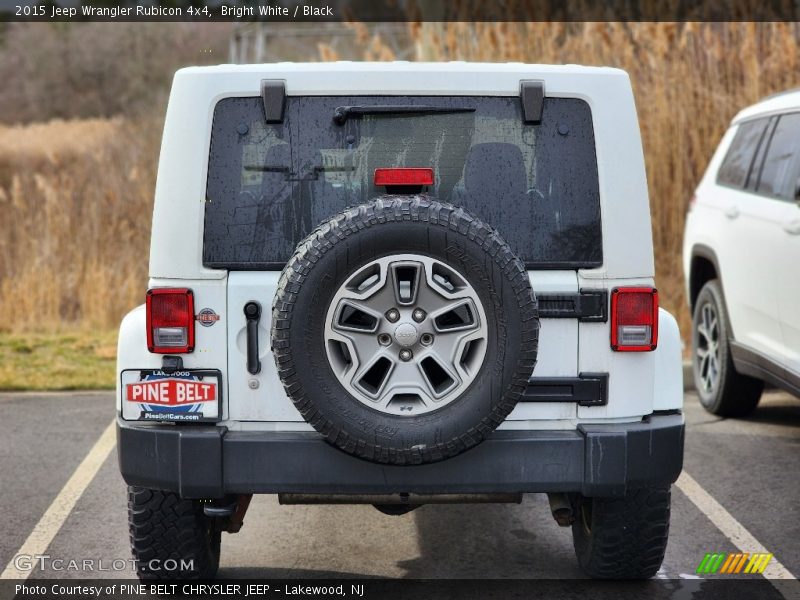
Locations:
{"points": [[404, 176], [170, 320], [634, 319]]}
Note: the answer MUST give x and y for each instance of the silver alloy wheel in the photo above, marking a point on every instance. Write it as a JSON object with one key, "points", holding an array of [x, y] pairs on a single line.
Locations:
{"points": [[420, 361], [707, 347]]}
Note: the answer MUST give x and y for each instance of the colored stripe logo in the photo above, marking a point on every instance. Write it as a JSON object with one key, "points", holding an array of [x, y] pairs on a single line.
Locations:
{"points": [[740, 562]]}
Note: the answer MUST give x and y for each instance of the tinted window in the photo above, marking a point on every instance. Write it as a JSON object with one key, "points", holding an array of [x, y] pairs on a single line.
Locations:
{"points": [[270, 185], [781, 159], [736, 165]]}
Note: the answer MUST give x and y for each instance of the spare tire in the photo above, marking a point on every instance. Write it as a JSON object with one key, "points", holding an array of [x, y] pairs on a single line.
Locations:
{"points": [[404, 330]]}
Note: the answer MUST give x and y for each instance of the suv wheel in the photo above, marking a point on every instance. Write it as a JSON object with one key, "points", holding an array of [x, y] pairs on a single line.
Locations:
{"points": [[404, 330], [622, 538], [171, 538], [721, 389]]}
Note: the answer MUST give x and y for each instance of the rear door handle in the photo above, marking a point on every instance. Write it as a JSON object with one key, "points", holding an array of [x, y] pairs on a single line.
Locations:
{"points": [[252, 312], [732, 212], [793, 227]]}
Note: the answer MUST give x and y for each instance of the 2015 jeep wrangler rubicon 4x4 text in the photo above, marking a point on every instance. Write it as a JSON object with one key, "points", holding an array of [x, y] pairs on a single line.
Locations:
{"points": [[399, 284]]}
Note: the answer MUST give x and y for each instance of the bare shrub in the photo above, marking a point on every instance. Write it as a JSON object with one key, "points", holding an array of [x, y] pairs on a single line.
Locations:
{"points": [[69, 70]]}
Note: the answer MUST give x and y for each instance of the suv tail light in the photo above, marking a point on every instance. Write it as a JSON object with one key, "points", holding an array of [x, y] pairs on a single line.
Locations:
{"points": [[170, 320], [634, 319]]}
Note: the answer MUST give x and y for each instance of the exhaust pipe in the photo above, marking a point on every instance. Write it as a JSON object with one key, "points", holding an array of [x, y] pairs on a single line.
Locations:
{"points": [[561, 508]]}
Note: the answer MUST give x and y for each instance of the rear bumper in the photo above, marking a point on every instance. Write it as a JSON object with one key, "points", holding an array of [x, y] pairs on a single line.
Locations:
{"points": [[209, 462]]}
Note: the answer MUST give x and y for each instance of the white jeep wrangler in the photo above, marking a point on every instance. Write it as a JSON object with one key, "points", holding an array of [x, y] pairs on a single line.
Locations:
{"points": [[400, 284]]}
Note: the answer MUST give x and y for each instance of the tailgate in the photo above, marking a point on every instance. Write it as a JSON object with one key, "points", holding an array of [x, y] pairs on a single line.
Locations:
{"points": [[261, 397]]}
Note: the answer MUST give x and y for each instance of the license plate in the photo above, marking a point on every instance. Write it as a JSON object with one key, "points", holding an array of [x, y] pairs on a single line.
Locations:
{"points": [[190, 396]]}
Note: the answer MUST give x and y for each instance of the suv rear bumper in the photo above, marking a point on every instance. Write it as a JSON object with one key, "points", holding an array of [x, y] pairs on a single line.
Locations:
{"points": [[209, 462]]}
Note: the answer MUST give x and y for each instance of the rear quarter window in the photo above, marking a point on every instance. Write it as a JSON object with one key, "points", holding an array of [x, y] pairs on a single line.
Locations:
{"points": [[736, 165], [779, 172], [270, 185]]}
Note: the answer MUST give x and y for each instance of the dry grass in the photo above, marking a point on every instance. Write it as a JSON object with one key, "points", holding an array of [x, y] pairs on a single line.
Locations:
{"points": [[76, 197], [76, 204], [55, 139]]}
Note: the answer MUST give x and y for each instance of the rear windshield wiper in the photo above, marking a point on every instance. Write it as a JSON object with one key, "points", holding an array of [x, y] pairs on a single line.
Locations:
{"points": [[342, 113]]}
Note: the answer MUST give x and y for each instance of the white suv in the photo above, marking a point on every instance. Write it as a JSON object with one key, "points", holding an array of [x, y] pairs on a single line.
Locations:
{"points": [[741, 257], [400, 284]]}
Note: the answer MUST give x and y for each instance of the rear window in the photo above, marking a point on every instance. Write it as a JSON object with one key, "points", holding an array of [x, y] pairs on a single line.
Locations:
{"points": [[270, 185]]}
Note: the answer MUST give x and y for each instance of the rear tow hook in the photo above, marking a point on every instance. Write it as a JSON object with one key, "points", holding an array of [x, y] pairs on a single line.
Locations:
{"points": [[232, 514]]}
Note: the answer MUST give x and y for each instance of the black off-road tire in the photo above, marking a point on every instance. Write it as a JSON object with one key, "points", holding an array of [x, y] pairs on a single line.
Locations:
{"points": [[622, 538], [165, 528], [386, 226], [734, 395]]}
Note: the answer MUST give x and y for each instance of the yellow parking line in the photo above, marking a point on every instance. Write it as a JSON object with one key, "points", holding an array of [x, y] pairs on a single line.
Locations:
{"points": [[58, 511]]}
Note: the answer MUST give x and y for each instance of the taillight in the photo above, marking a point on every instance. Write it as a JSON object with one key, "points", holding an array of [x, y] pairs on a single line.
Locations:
{"points": [[404, 176], [170, 320], [634, 319]]}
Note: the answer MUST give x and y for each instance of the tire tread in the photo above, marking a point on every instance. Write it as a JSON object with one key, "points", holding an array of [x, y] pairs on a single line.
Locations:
{"points": [[628, 536], [163, 526]]}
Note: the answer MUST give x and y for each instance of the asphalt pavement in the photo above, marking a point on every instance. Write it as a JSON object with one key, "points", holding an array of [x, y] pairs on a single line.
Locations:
{"points": [[751, 467]]}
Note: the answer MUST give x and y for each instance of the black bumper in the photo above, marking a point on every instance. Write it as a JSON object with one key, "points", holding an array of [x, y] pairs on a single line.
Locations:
{"points": [[209, 462]]}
